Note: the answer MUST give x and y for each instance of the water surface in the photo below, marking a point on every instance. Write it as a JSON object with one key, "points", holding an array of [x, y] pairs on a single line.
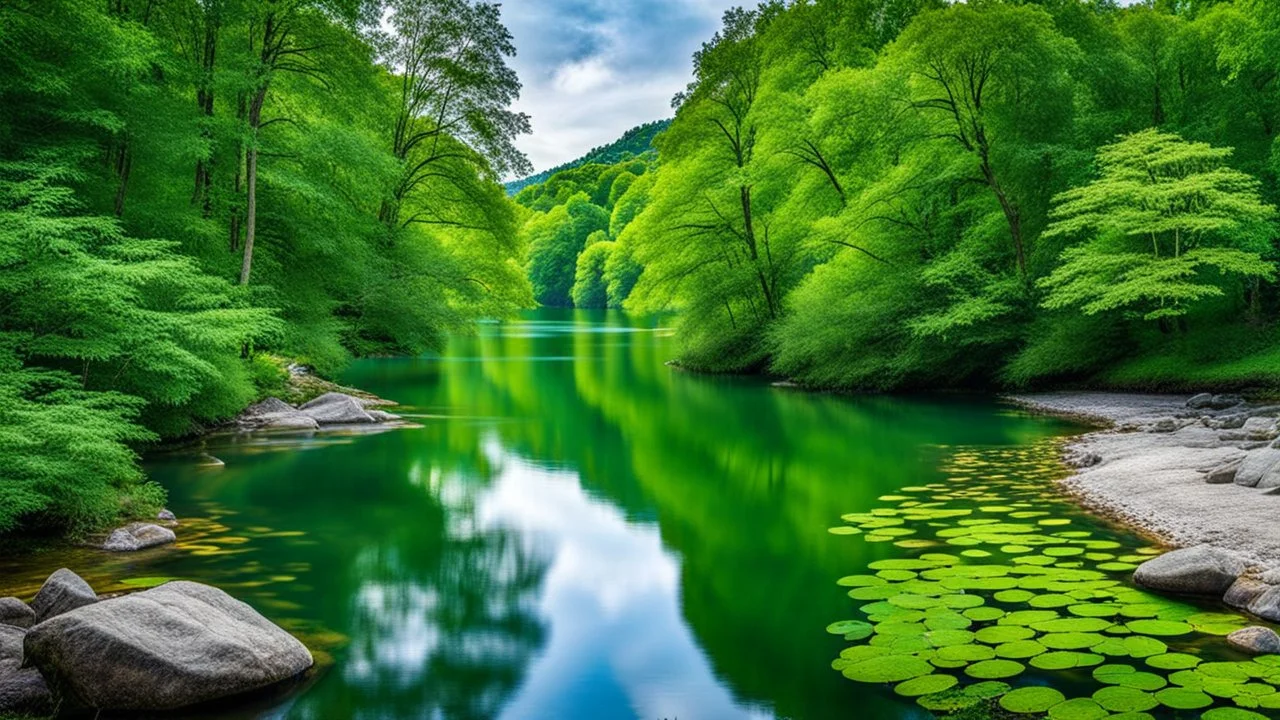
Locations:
{"points": [[575, 530]]}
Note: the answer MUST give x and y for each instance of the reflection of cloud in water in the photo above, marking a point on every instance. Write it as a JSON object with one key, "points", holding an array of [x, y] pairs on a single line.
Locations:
{"points": [[450, 636], [611, 598]]}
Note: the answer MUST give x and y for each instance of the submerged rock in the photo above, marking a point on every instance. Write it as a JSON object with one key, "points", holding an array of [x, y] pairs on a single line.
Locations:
{"points": [[169, 647], [1199, 570], [62, 592], [336, 409], [16, 613], [138, 536], [1256, 640], [22, 690]]}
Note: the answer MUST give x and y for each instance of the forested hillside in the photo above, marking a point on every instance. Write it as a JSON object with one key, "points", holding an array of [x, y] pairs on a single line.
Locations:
{"points": [[570, 232], [636, 142], [192, 191], [888, 194]]}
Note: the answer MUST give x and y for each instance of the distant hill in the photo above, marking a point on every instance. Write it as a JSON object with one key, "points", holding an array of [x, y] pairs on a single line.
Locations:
{"points": [[636, 141]]}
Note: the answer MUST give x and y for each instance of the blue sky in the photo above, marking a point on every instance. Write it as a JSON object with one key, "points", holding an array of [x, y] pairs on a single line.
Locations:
{"points": [[594, 68]]}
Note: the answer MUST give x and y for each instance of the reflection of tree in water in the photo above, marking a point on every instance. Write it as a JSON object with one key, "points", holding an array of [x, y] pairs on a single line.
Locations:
{"points": [[449, 634]]}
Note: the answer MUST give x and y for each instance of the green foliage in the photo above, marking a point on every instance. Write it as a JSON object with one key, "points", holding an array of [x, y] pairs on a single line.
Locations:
{"points": [[590, 289], [347, 178], [638, 142], [866, 193]]}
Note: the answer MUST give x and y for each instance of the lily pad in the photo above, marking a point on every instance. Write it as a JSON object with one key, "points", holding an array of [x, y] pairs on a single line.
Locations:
{"points": [[1232, 714], [1164, 628], [995, 669], [1031, 700], [926, 685], [1173, 661], [887, 669], [850, 627], [1078, 709], [961, 698], [1125, 699], [1179, 698]]}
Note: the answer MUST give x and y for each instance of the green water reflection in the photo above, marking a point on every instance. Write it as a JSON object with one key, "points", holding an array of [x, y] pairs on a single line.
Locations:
{"points": [[575, 530]]}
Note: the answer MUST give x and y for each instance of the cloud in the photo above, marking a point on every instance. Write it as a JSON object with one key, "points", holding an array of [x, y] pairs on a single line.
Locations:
{"points": [[592, 69]]}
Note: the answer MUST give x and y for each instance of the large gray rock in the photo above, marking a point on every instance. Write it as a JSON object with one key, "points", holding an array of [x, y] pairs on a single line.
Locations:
{"points": [[1225, 402], [16, 613], [62, 592], [337, 409], [1199, 570], [1257, 465], [1255, 640], [1267, 605], [1244, 591], [169, 647], [275, 414], [138, 536], [22, 690], [382, 415]]}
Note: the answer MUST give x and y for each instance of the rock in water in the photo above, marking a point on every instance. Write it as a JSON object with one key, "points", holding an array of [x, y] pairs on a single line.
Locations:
{"points": [[1256, 640], [169, 647], [1244, 591], [16, 613], [275, 414], [1199, 570], [138, 536], [62, 592], [21, 690], [336, 409], [166, 515], [1267, 605]]}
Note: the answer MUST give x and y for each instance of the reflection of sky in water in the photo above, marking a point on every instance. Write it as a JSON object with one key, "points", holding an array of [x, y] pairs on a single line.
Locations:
{"points": [[611, 602]]}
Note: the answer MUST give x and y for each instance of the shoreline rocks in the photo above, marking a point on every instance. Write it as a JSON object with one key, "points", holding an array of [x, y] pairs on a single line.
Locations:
{"points": [[329, 409], [169, 647], [1199, 570], [138, 536]]}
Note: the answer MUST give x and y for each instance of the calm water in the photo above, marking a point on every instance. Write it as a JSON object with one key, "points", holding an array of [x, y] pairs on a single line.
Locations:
{"points": [[575, 531]]}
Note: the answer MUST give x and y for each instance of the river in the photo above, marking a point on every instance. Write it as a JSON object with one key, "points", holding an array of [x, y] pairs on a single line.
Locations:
{"points": [[574, 529]]}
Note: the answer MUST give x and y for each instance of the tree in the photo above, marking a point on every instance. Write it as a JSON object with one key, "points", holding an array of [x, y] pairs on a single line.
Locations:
{"points": [[992, 76], [590, 288], [555, 240], [1165, 223], [453, 118]]}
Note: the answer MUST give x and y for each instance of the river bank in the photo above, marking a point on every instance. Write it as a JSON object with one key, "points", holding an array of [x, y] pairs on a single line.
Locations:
{"points": [[1186, 473]]}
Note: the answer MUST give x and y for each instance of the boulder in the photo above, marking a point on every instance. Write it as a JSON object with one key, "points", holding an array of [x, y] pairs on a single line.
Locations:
{"points": [[166, 515], [1224, 474], [1267, 605], [1167, 425], [1257, 464], [336, 409], [1230, 422], [138, 536], [1244, 591], [1255, 640], [275, 414], [1199, 570], [1225, 402], [16, 613], [62, 592], [1203, 401], [172, 646], [382, 416], [22, 690]]}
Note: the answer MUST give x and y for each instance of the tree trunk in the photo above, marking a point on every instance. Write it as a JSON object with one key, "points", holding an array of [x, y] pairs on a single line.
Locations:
{"points": [[1012, 214], [251, 175], [202, 194]]}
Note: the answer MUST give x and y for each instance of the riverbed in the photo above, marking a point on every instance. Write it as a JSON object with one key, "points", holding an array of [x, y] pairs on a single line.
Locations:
{"points": [[574, 529]]}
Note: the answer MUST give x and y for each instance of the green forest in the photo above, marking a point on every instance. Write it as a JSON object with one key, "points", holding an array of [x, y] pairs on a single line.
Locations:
{"points": [[194, 193], [853, 194]]}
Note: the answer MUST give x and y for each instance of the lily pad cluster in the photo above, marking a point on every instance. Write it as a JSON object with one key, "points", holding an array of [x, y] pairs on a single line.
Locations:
{"points": [[1000, 594]]}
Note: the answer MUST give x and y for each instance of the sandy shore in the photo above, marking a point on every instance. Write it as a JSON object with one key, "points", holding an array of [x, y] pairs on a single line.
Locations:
{"points": [[1150, 468]]}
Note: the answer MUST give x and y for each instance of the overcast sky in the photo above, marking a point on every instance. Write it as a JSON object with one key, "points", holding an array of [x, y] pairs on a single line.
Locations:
{"points": [[592, 69]]}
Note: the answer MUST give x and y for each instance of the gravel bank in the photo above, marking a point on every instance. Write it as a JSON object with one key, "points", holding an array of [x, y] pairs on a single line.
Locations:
{"points": [[1207, 472]]}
